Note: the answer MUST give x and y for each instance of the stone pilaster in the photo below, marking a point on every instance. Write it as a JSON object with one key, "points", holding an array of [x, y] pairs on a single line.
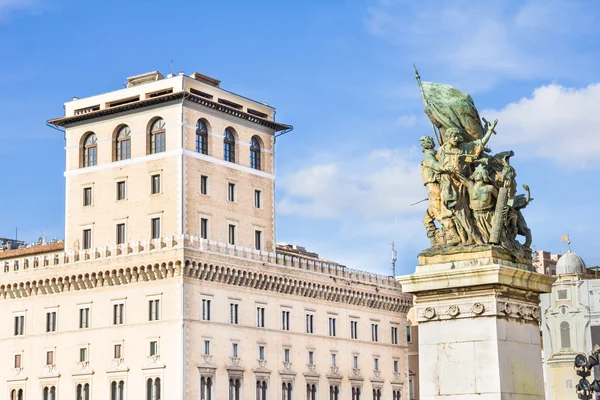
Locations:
{"points": [[478, 313]]}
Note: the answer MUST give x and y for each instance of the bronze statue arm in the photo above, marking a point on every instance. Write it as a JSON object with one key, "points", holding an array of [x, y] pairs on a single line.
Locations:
{"points": [[490, 130]]}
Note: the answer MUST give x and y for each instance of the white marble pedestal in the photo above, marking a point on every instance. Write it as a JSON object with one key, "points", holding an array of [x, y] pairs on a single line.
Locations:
{"points": [[478, 313]]}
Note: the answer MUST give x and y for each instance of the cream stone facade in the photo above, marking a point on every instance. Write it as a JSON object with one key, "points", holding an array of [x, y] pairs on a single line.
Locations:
{"points": [[181, 309]]}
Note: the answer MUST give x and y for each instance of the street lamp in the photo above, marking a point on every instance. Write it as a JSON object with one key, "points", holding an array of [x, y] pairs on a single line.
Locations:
{"points": [[584, 365]]}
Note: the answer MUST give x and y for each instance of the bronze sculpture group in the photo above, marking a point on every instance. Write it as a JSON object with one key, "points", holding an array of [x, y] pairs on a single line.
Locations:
{"points": [[472, 193]]}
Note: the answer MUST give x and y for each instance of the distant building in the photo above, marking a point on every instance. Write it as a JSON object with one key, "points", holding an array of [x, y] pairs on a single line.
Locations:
{"points": [[570, 324], [544, 262], [412, 339]]}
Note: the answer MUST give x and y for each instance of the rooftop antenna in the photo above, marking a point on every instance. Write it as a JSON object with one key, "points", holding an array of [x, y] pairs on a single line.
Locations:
{"points": [[394, 259]]}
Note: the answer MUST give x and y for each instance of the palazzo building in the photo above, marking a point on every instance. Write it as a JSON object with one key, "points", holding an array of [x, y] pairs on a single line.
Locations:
{"points": [[169, 283]]}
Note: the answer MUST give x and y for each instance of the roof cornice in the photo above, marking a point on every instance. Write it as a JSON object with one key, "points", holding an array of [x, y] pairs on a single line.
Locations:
{"points": [[65, 121]]}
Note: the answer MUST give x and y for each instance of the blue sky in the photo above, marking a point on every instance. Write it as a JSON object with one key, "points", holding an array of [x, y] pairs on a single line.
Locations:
{"points": [[341, 73]]}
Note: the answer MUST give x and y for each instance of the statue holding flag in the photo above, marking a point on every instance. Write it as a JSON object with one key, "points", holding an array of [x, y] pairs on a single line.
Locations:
{"points": [[471, 193]]}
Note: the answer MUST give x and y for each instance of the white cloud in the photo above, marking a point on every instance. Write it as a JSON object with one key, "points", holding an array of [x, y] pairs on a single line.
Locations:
{"points": [[556, 123], [9, 7], [407, 121], [380, 184], [478, 44]]}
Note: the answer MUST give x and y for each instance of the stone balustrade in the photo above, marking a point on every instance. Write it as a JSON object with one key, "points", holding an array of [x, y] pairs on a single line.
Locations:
{"points": [[48, 260]]}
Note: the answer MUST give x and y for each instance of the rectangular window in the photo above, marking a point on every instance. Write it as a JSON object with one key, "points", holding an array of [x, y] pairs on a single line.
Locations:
{"points": [[354, 361], [204, 228], [232, 234], [118, 351], [83, 354], [257, 199], [121, 190], [374, 332], [87, 239], [50, 357], [231, 191], [206, 309], [394, 334], [309, 323], [396, 366], [260, 317], [354, 329], [331, 326], [118, 314], [84, 318], [257, 240], [408, 334], [261, 352], [285, 320], [234, 350], [376, 364], [233, 313], [154, 348], [155, 228], [154, 310], [155, 181], [17, 360], [311, 358], [51, 321], [204, 184], [120, 233], [286, 355], [207, 347], [87, 197], [333, 360]]}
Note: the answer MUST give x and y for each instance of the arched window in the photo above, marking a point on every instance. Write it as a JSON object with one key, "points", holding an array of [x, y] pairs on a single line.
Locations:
{"points": [[286, 391], [334, 392], [565, 335], [355, 393], [205, 388], [149, 389], [396, 395], [46, 393], [86, 391], [311, 391], [201, 137], [121, 390], [79, 392], [255, 153], [13, 394], [113, 391], [376, 394], [229, 146], [234, 389], [261, 390], [157, 389], [90, 150], [123, 144], [157, 136], [20, 394], [53, 393]]}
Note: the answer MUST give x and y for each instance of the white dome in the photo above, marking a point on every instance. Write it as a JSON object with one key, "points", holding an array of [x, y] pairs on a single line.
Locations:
{"points": [[570, 263]]}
